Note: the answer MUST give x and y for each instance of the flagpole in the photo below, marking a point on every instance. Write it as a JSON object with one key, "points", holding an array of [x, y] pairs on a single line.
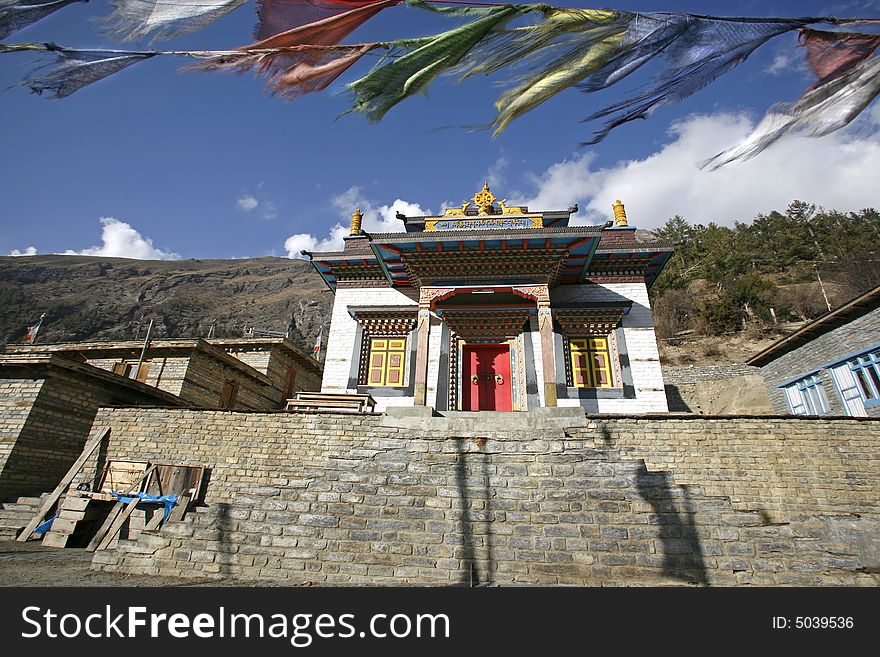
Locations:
{"points": [[32, 331], [316, 350], [137, 372]]}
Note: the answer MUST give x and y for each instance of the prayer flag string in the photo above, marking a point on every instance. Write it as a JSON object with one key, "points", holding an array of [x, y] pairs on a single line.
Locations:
{"points": [[299, 50]]}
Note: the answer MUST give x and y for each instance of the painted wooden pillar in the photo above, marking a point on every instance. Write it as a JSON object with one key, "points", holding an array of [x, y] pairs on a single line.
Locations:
{"points": [[422, 332], [548, 351]]}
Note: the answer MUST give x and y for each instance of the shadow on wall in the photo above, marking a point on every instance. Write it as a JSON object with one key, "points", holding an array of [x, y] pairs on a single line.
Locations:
{"points": [[42, 453], [676, 402], [607, 438], [222, 536], [475, 525], [682, 552]]}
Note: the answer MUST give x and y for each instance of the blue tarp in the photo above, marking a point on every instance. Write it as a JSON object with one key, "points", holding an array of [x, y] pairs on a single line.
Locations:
{"points": [[43, 527], [168, 500]]}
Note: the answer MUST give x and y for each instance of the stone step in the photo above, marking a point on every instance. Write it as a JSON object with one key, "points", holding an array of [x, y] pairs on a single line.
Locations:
{"points": [[34, 502], [14, 516]]}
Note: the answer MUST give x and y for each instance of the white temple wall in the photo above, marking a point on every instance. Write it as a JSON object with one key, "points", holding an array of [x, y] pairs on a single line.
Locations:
{"points": [[343, 332], [641, 347]]}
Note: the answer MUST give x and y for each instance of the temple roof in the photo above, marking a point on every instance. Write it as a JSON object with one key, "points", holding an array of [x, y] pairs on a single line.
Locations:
{"points": [[492, 244]]}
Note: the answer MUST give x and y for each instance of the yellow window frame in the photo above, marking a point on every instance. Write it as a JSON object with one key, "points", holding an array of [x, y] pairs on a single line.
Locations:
{"points": [[385, 364], [591, 362]]}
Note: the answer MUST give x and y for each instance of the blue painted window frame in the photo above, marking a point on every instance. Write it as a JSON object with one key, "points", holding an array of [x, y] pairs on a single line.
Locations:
{"points": [[866, 372], [812, 396]]}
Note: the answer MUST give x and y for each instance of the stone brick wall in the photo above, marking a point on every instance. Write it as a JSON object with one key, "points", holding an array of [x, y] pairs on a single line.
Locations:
{"points": [[677, 376], [279, 364], [780, 467], [44, 425], [165, 373], [858, 335], [206, 376], [17, 397], [346, 499]]}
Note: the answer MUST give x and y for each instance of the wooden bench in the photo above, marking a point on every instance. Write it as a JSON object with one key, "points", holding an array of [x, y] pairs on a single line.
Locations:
{"points": [[318, 401]]}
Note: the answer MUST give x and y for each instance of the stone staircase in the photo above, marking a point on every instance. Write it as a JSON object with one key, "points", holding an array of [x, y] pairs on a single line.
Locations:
{"points": [[15, 515]]}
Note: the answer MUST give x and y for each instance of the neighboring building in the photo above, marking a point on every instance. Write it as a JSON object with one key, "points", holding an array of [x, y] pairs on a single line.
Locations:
{"points": [[830, 366], [241, 374], [495, 308], [47, 405], [289, 368]]}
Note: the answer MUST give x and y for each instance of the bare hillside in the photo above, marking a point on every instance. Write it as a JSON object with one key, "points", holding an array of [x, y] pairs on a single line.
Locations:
{"points": [[88, 298]]}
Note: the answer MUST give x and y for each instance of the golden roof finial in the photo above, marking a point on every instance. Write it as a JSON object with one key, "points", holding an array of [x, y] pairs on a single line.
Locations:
{"points": [[356, 218], [484, 199], [619, 214]]}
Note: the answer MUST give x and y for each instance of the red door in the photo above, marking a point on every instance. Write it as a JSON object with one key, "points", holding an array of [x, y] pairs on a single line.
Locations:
{"points": [[486, 378]]}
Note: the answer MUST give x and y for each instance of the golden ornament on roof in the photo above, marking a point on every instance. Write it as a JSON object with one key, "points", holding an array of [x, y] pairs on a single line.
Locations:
{"points": [[619, 214], [457, 212], [484, 199], [356, 218]]}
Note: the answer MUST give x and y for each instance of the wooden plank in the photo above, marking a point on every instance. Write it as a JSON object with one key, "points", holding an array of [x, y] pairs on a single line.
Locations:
{"points": [[325, 404], [67, 514], [118, 509], [56, 540], [156, 520], [90, 447], [62, 526], [108, 522], [117, 523], [179, 509]]}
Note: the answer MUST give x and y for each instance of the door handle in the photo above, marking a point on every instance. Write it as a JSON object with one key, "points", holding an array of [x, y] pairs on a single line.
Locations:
{"points": [[475, 379], [499, 379]]}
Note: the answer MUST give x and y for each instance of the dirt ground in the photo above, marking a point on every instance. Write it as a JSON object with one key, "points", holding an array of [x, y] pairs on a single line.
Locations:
{"points": [[31, 564], [713, 350]]}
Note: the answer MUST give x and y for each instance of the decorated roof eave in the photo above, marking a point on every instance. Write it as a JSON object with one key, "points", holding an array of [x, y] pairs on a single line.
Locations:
{"points": [[587, 260], [578, 306], [410, 309], [314, 265], [637, 247], [490, 233], [558, 214], [461, 310], [378, 257], [333, 260]]}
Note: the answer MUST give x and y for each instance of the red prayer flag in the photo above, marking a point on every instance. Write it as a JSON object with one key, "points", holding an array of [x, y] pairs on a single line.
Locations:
{"points": [[831, 54], [278, 16]]}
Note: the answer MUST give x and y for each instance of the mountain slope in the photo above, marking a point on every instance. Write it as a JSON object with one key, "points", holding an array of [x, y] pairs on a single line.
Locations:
{"points": [[88, 298]]}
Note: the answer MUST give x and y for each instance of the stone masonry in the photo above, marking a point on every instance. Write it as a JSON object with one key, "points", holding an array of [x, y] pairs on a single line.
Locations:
{"points": [[47, 406], [341, 499]]}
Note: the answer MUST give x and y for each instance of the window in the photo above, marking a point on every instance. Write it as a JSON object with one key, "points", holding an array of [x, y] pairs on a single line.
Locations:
{"points": [[590, 363], [866, 372], [385, 362], [230, 392], [129, 369], [807, 397]]}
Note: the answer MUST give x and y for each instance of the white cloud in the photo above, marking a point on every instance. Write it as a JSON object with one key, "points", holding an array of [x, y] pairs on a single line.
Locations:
{"points": [[120, 240], [836, 172], [247, 203], [496, 176], [377, 219], [265, 207], [31, 250], [780, 64]]}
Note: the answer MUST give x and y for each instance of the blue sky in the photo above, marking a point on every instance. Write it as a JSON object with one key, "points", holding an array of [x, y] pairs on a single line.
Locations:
{"points": [[154, 162]]}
